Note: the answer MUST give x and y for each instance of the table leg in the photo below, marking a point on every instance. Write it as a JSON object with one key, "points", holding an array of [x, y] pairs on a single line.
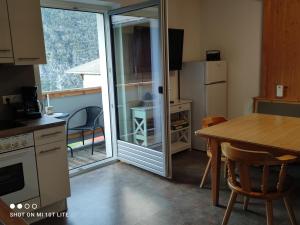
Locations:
{"points": [[215, 171]]}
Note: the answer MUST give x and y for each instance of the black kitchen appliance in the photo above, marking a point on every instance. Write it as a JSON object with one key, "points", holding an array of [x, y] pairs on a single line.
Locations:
{"points": [[31, 103], [213, 55]]}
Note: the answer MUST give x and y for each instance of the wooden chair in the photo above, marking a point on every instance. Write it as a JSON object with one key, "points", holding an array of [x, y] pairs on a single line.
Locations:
{"points": [[268, 185], [207, 122], [5, 216]]}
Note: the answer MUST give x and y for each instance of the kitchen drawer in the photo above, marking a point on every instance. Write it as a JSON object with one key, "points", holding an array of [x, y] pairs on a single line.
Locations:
{"points": [[50, 135], [180, 108], [52, 147]]}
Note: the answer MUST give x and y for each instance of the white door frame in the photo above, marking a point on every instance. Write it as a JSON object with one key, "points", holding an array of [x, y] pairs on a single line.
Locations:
{"points": [[105, 68], [165, 70]]}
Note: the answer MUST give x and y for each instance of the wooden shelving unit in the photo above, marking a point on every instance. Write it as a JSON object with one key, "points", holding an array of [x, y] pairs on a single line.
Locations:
{"points": [[181, 136]]}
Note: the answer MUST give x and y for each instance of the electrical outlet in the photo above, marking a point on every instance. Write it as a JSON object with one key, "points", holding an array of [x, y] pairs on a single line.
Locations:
{"points": [[11, 99], [279, 90]]}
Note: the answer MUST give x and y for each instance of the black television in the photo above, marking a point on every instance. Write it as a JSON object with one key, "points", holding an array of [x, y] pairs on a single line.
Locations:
{"points": [[175, 48]]}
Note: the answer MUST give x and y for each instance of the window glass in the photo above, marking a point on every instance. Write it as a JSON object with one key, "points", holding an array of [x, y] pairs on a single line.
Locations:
{"points": [[71, 41]]}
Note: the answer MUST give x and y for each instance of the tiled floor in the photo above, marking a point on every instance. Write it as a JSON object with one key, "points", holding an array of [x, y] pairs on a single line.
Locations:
{"points": [[121, 194]]}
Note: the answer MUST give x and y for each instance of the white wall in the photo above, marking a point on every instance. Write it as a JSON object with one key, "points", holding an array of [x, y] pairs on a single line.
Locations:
{"points": [[186, 15], [235, 27]]}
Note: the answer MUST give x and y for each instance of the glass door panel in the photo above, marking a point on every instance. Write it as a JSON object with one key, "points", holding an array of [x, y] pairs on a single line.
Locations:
{"points": [[139, 81]]}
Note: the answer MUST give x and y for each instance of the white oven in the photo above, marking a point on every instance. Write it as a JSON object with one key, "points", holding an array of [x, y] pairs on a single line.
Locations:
{"points": [[18, 173]]}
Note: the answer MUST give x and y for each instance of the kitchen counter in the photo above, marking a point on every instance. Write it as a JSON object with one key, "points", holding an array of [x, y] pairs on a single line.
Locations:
{"points": [[32, 125]]}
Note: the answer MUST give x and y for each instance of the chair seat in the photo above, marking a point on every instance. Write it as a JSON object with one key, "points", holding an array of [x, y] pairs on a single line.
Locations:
{"points": [[256, 179]]}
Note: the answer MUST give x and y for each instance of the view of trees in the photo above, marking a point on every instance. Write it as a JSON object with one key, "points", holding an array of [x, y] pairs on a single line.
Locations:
{"points": [[71, 39]]}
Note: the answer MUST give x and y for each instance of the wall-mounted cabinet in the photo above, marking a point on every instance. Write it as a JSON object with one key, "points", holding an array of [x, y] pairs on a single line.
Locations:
{"points": [[22, 40], [6, 53]]}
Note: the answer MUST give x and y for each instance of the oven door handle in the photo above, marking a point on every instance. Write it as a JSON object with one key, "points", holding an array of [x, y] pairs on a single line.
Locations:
{"points": [[16, 152]]}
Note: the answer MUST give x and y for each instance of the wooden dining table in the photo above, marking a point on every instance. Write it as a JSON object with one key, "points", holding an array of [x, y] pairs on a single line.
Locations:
{"points": [[258, 132]]}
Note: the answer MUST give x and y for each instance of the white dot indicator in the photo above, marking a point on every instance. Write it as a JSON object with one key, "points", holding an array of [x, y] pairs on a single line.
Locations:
{"points": [[19, 206], [26, 206], [34, 206], [12, 206]]}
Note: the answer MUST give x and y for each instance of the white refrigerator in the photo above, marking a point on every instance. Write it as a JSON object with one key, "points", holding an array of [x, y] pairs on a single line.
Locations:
{"points": [[205, 83]]}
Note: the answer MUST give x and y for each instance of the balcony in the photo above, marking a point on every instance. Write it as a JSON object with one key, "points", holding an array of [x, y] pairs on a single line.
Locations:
{"points": [[69, 101]]}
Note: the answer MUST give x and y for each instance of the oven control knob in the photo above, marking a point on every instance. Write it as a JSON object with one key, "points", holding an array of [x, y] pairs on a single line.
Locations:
{"points": [[24, 143], [16, 145]]}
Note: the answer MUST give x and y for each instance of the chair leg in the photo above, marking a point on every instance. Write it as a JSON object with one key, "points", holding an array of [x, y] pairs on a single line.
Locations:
{"points": [[229, 207], [246, 203], [82, 135], [93, 141], [269, 211], [290, 210], [71, 149], [205, 173]]}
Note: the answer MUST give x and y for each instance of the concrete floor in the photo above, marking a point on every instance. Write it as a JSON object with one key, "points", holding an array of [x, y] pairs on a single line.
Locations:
{"points": [[121, 194]]}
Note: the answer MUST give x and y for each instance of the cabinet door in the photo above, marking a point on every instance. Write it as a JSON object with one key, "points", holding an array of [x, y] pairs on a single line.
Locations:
{"points": [[53, 172], [27, 32], [5, 41]]}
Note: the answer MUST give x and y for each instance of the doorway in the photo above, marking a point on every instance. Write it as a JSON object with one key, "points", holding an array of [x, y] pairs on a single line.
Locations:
{"points": [[74, 82]]}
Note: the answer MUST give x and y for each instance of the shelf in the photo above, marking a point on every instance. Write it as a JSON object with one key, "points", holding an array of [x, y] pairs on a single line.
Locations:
{"points": [[179, 146], [150, 140], [185, 128]]}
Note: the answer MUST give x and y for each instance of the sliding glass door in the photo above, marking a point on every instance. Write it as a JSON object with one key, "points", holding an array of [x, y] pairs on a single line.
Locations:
{"points": [[139, 84]]}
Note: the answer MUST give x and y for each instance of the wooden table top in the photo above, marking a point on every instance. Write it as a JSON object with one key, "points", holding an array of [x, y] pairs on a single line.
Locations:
{"points": [[267, 130]]}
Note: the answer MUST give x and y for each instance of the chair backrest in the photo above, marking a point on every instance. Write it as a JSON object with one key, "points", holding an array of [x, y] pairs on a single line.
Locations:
{"points": [[94, 113], [212, 120], [240, 162]]}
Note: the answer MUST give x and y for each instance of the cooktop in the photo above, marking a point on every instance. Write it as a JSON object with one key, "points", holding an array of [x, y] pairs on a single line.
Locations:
{"points": [[9, 124]]}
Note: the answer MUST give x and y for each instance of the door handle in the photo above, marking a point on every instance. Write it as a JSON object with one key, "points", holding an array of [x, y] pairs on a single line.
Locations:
{"points": [[4, 50], [50, 150], [160, 89], [50, 134]]}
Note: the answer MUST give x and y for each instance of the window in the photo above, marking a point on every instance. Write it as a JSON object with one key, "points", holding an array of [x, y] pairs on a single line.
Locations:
{"points": [[71, 41]]}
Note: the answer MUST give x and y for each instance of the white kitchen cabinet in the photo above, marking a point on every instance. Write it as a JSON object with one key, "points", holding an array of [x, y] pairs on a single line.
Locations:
{"points": [[26, 32], [52, 166], [6, 52]]}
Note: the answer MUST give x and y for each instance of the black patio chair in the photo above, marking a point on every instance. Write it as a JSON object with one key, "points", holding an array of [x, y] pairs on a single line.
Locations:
{"points": [[94, 120]]}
